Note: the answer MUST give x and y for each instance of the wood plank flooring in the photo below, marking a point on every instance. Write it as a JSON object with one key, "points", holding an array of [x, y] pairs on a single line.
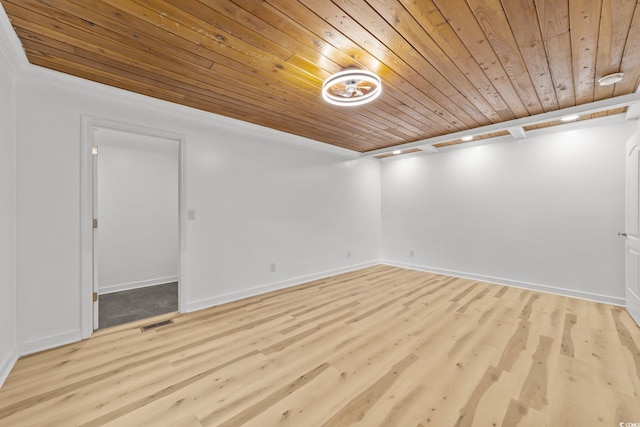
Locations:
{"points": [[382, 346]]}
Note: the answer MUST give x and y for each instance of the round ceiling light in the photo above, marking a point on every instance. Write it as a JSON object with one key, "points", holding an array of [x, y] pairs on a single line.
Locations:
{"points": [[610, 79], [571, 118], [352, 87]]}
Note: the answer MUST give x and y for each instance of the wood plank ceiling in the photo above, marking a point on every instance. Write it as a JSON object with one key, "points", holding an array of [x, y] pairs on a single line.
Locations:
{"points": [[446, 65]]}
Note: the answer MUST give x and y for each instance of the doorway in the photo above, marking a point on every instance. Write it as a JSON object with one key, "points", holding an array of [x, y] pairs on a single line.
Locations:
{"points": [[132, 254], [130, 305]]}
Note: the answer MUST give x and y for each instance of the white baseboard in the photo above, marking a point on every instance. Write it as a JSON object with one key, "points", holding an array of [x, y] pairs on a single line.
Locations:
{"points": [[606, 299], [6, 364], [136, 285], [49, 342], [234, 296]]}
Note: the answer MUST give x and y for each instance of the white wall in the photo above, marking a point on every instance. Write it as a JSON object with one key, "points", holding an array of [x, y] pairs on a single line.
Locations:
{"points": [[260, 197], [543, 212], [262, 203], [8, 349], [137, 237]]}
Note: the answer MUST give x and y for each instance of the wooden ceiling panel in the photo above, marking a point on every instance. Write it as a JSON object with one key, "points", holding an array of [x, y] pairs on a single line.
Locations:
{"points": [[447, 65], [436, 62], [584, 16], [630, 62], [553, 18], [523, 19], [490, 85], [615, 19], [459, 19], [491, 17]]}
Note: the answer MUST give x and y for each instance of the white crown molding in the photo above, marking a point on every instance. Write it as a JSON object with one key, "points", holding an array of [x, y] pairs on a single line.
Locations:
{"points": [[134, 99], [584, 124], [10, 46], [633, 112], [12, 49], [629, 100]]}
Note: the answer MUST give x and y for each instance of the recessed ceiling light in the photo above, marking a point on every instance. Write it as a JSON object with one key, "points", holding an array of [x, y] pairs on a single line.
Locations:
{"points": [[570, 118], [467, 138], [396, 152], [351, 87], [610, 79]]}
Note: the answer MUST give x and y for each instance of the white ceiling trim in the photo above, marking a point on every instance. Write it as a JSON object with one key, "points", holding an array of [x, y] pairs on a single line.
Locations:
{"points": [[606, 104], [584, 124], [161, 106], [12, 49], [633, 112], [517, 132], [10, 46]]}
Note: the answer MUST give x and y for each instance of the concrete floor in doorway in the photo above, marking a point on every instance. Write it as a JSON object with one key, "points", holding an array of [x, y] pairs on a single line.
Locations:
{"points": [[136, 304]]}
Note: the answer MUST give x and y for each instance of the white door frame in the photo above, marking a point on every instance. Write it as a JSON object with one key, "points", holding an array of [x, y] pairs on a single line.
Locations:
{"points": [[90, 123]]}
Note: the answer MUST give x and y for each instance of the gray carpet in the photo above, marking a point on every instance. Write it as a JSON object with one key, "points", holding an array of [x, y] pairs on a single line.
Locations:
{"points": [[127, 306]]}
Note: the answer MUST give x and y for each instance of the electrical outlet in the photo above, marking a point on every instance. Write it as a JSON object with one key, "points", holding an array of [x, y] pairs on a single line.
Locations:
{"points": [[411, 252], [349, 253], [273, 267], [191, 214]]}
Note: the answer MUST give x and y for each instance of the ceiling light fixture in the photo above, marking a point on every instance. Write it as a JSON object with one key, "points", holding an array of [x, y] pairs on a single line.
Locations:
{"points": [[570, 118], [610, 79], [396, 152], [351, 87], [467, 138]]}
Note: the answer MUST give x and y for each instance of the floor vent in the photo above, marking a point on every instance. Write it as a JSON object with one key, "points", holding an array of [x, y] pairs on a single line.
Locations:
{"points": [[156, 325]]}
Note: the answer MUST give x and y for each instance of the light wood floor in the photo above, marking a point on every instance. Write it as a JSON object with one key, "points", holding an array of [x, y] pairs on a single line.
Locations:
{"points": [[379, 346]]}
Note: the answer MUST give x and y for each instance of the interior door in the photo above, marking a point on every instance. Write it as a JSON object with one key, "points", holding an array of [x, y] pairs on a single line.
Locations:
{"points": [[632, 219]]}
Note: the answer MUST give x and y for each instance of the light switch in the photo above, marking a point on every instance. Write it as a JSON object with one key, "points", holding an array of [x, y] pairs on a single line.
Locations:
{"points": [[191, 214]]}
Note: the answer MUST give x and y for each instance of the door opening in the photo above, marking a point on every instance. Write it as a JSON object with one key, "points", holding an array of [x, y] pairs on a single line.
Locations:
{"points": [[132, 255]]}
